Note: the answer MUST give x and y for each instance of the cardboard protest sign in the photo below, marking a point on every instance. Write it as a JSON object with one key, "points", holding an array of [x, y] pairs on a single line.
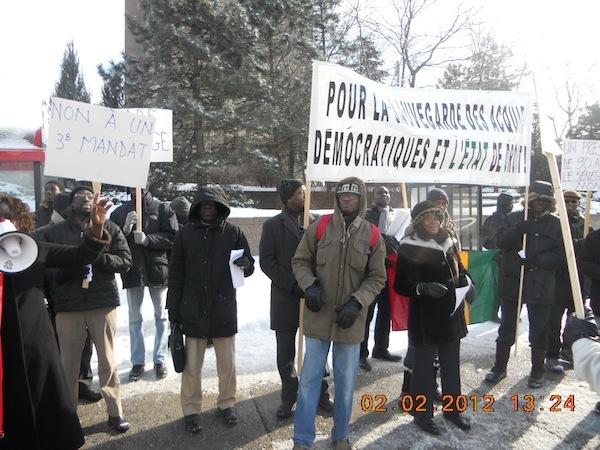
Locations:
{"points": [[88, 142], [389, 134], [580, 165], [162, 141]]}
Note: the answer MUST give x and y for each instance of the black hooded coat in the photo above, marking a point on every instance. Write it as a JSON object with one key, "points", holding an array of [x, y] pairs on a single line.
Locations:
{"points": [[201, 295]]}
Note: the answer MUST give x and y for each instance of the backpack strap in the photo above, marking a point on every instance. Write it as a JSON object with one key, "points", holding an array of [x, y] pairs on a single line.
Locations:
{"points": [[325, 219]]}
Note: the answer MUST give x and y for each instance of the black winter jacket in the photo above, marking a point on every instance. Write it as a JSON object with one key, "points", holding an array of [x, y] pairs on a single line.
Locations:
{"points": [[201, 294], [431, 320], [103, 290], [150, 264], [544, 245]]}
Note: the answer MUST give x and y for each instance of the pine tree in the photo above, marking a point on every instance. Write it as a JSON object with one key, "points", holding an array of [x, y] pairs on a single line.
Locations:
{"points": [[113, 88], [588, 124], [71, 84]]}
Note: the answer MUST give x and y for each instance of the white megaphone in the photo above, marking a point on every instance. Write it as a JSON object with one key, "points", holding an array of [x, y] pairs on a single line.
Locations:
{"points": [[18, 251]]}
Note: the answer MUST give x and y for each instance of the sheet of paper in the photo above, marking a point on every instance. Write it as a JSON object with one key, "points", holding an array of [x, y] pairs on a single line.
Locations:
{"points": [[237, 274], [399, 224], [460, 294]]}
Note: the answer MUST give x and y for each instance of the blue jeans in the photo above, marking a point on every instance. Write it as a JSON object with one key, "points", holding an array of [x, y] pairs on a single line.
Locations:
{"points": [[345, 369], [135, 296]]}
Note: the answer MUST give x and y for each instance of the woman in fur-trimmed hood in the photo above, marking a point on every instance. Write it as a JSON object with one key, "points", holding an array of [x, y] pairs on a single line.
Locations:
{"points": [[428, 271]]}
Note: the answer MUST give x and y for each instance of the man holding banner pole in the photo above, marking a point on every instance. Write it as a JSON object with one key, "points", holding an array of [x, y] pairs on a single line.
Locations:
{"points": [[543, 254]]}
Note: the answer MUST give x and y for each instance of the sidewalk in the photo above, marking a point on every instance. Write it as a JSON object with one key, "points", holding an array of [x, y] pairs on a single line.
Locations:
{"points": [[153, 409]]}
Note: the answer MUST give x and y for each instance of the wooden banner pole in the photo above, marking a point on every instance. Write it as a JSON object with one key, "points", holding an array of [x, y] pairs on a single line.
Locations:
{"points": [[301, 322]]}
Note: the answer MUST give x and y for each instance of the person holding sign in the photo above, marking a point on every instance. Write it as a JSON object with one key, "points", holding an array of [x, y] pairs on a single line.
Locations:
{"points": [[45, 210], [91, 309], [543, 254], [149, 247], [202, 298], [428, 271], [340, 272], [280, 237], [37, 408]]}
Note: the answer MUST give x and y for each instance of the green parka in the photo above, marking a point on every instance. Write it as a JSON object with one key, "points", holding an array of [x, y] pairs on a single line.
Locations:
{"points": [[345, 266]]}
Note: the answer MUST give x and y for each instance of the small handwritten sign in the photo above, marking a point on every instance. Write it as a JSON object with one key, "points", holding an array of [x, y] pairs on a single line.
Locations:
{"points": [[89, 142], [580, 165]]}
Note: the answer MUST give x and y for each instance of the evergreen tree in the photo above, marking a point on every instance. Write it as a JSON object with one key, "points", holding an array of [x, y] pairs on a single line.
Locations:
{"points": [[588, 124], [71, 84], [113, 88]]}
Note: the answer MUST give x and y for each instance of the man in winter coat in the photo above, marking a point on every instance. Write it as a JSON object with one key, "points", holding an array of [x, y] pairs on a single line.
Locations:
{"points": [[202, 299], [504, 205], [280, 237], [543, 255], [563, 299], [92, 307], [45, 210], [149, 249], [340, 273], [380, 214]]}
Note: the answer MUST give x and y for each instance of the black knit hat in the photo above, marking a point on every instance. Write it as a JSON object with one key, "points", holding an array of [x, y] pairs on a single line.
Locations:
{"points": [[420, 210], [437, 194], [504, 199], [61, 201], [287, 188], [76, 189]]}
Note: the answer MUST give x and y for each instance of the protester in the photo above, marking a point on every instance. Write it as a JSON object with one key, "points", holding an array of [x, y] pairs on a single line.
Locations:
{"points": [[563, 296], [181, 207], [202, 298], [279, 240], [429, 270], [91, 309], [588, 262], [37, 408], [489, 229], [543, 255], [340, 273], [44, 212], [583, 338], [149, 249], [381, 214]]}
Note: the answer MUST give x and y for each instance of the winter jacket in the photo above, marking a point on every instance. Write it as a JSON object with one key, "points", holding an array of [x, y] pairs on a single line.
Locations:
{"points": [[563, 281], [431, 320], [544, 246], [588, 263], [279, 240], [68, 295], [150, 264], [201, 295], [345, 266], [489, 230], [38, 412]]}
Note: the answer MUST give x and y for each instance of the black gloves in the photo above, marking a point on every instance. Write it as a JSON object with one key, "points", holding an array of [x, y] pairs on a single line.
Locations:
{"points": [[578, 328], [530, 264], [525, 226], [74, 273], [432, 289], [297, 291], [471, 295], [347, 313], [242, 262], [314, 298]]}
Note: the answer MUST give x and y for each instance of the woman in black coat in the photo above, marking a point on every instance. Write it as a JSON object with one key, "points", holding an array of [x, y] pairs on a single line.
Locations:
{"points": [[428, 271], [37, 410]]}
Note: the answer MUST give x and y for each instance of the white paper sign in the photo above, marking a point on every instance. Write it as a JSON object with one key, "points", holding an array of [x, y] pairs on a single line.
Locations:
{"points": [[237, 273], [162, 141], [580, 165], [391, 134], [88, 142], [460, 294]]}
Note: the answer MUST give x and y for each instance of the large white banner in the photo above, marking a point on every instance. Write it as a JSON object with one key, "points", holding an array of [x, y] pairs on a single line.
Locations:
{"points": [[88, 142], [162, 141], [386, 134], [580, 165]]}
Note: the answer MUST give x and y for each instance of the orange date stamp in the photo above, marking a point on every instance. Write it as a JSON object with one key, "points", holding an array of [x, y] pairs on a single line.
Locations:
{"points": [[461, 403]]}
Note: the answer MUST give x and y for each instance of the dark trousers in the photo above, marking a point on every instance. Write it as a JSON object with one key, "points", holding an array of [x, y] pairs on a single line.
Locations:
{"points": [[555, 325], [382, 323], [286, 354], [422, 381], [539, 317]]}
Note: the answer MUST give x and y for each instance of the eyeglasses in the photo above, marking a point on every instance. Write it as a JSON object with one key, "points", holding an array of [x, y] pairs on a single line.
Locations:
{"points": [[82, 195], [571, 200]]}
